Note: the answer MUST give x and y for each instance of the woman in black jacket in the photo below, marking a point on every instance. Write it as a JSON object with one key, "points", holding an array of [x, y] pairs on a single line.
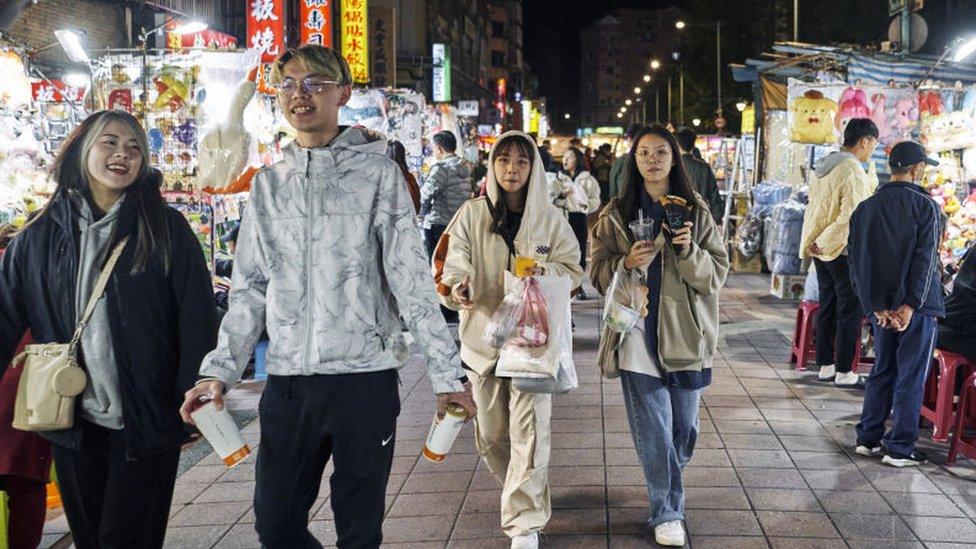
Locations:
{"points": [[143, 345]]}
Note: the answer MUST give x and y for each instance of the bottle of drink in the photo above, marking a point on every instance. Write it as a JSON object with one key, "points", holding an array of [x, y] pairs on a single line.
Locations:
{"points": [[443, 432]]}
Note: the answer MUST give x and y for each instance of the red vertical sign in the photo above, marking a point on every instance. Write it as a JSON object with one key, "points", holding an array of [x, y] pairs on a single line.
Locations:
{"points": [[266, 27], [315, 19]]}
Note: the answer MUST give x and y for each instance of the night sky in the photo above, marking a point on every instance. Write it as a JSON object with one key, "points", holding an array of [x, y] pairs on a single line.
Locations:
{"points": [[551, 42]]}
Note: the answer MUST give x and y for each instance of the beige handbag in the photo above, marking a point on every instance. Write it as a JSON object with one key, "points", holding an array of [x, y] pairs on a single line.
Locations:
{"points": [[51, 378]]}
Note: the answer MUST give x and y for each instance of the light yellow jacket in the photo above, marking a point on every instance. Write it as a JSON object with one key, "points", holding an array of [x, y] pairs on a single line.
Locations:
{"points": [[476, 252], [833, 198]]}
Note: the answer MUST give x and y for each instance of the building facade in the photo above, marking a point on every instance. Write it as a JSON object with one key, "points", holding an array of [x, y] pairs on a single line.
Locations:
{"points": [[615, 54]]}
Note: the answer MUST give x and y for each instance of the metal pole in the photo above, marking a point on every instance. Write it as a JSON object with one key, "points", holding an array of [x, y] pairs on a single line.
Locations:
{"points": [[669, 98], [681, 95], [796, 20], [718, 63], [657, 104], [906, 30]]}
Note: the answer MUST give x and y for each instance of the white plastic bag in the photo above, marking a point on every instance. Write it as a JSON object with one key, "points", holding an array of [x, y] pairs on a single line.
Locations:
{"points": [[542, 362], [625, 301]]}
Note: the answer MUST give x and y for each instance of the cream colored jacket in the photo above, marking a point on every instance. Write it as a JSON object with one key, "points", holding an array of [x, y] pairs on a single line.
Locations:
{"points": [[573, 203], [838, 187], [475, 252]]}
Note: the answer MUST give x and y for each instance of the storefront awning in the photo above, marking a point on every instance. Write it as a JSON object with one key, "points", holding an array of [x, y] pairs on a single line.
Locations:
{"points": [[877, 69]]}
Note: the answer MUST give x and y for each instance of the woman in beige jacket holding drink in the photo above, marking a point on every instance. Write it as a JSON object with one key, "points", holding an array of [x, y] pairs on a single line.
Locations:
{"points": [[515, 220]]}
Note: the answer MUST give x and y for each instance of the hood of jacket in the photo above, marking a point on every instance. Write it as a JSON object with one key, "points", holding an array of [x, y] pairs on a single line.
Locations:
{"points": [[827, 164], [537, 194], [344, 147]]}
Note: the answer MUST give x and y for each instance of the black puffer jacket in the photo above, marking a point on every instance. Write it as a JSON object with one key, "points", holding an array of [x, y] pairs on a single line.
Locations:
{"points": [[162, 326]]}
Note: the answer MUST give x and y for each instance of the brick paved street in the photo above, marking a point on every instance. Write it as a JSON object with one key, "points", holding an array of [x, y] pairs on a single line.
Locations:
{"points": [[774, 465]]}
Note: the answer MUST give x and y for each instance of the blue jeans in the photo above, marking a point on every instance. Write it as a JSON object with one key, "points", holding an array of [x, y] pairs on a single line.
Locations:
{"points": [[896, 384], [664, 424]]}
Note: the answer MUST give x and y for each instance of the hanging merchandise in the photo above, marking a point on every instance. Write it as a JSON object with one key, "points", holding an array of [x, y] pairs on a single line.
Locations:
{"points": [[396, 113], [947, 185], [812, 117], [948, 117]]}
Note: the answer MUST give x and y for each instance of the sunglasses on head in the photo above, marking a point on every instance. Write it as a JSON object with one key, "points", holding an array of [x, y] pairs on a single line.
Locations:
{"points": [[310, 85]]}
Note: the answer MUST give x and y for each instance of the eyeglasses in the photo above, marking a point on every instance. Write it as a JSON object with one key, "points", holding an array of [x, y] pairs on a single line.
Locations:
{"points": [[310, 85]]}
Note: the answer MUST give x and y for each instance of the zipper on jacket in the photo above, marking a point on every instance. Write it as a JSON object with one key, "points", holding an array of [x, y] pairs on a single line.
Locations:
{"points": [[309, 297]]}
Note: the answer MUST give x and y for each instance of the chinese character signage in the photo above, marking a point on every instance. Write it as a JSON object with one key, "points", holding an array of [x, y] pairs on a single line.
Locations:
{"points": [[266, 27], [55, 91], [355, 39], [382, 30], [442, 73], [315, 19]]}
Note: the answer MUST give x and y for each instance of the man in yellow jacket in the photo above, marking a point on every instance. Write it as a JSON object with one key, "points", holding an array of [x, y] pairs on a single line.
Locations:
{"points": [[841, 183]]}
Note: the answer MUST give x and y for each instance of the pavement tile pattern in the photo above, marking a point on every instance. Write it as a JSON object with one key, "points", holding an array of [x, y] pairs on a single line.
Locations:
{"points": [[774, 465]]}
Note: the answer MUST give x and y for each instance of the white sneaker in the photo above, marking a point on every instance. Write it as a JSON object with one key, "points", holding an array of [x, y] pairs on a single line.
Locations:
{"points": [[670, 534], [846, 379], [827, 372], [526, 541]]}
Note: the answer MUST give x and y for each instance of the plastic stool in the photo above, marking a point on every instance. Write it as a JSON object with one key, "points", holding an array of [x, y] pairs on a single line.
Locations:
{"points": [[862, 364], [959, 443], [260, 354], [803, 348], [940, 390]]}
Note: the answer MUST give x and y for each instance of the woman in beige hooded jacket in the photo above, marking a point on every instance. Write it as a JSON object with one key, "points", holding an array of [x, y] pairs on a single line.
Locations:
{"points": [[665, 361], [515, 219]]}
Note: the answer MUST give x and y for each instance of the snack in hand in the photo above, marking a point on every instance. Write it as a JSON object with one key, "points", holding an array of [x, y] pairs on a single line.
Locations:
{"points": [[676, 210]]}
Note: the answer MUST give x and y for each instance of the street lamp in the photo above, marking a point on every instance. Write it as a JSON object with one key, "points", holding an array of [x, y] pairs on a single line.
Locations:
{"points": [[566, 116], [71, 43], [647, 78], [620, 115], [741, 106], [623, 109], [637, 90], [680, 25], [696, 122], [655, 64], [628, 102]]}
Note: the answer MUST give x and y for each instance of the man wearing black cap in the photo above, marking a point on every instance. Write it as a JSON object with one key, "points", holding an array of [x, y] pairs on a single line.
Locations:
{"points": [[894, 263]]}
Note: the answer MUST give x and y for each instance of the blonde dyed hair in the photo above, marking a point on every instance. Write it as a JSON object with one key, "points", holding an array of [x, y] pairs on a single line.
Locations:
{"points": [[317, 60]]}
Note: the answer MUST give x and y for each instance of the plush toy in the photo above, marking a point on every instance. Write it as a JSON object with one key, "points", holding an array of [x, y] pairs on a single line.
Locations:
{"points": [[906, 114], [173, 93], [813, 116], [930, 103], [853, 104], [120, 99], [224, 149]]}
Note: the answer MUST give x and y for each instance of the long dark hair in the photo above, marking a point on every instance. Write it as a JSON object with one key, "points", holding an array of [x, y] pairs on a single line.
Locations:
{"points": [[580, 162], [70, 173], [396, 151], [678, 182], [499, 210]]}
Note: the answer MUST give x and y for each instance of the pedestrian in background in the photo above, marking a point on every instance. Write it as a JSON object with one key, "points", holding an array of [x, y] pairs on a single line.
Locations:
{"points": [[700, 173], [601, 170], [328, 257], [618, 170], [516, 219], [577, 193], [665, 361], [841, 184], [117, 464], [446, 187], [894, 264], [396, 151]]}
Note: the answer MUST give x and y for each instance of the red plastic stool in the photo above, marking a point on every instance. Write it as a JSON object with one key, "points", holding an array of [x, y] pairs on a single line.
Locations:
{"points": [[940, 390], [959, 443], [803, 348], [862, 364]]}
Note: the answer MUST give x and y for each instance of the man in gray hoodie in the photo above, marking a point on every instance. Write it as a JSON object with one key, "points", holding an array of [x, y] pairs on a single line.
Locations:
{"points": [[446, 187], [328, 259]]}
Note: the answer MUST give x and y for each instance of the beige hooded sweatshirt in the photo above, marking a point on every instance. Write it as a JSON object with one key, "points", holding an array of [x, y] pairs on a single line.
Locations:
{"points": [[475, 251]]}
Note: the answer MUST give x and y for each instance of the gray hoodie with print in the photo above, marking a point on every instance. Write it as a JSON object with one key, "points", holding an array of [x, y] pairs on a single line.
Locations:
{"points": [[328, 256]]}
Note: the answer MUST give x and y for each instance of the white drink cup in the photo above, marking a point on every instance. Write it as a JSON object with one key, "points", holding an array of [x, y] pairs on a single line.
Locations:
{"points": [[221, 432], [443, 432]]}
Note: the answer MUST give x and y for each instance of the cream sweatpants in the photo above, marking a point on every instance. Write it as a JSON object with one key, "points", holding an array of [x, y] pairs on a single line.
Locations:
{"points": [[513, 437]]}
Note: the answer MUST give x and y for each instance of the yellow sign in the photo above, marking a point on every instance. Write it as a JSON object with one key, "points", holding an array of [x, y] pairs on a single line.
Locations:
{"points": [[749, 120], [355, 38]]}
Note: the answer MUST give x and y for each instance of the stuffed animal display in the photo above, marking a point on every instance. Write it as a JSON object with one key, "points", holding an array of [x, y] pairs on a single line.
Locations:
{"points": [[224, 150], [813, 118]]}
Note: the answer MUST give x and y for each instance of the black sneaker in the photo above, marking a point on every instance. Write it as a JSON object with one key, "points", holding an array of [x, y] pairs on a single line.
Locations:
{"points": [[868, 449], [901, 460]]}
